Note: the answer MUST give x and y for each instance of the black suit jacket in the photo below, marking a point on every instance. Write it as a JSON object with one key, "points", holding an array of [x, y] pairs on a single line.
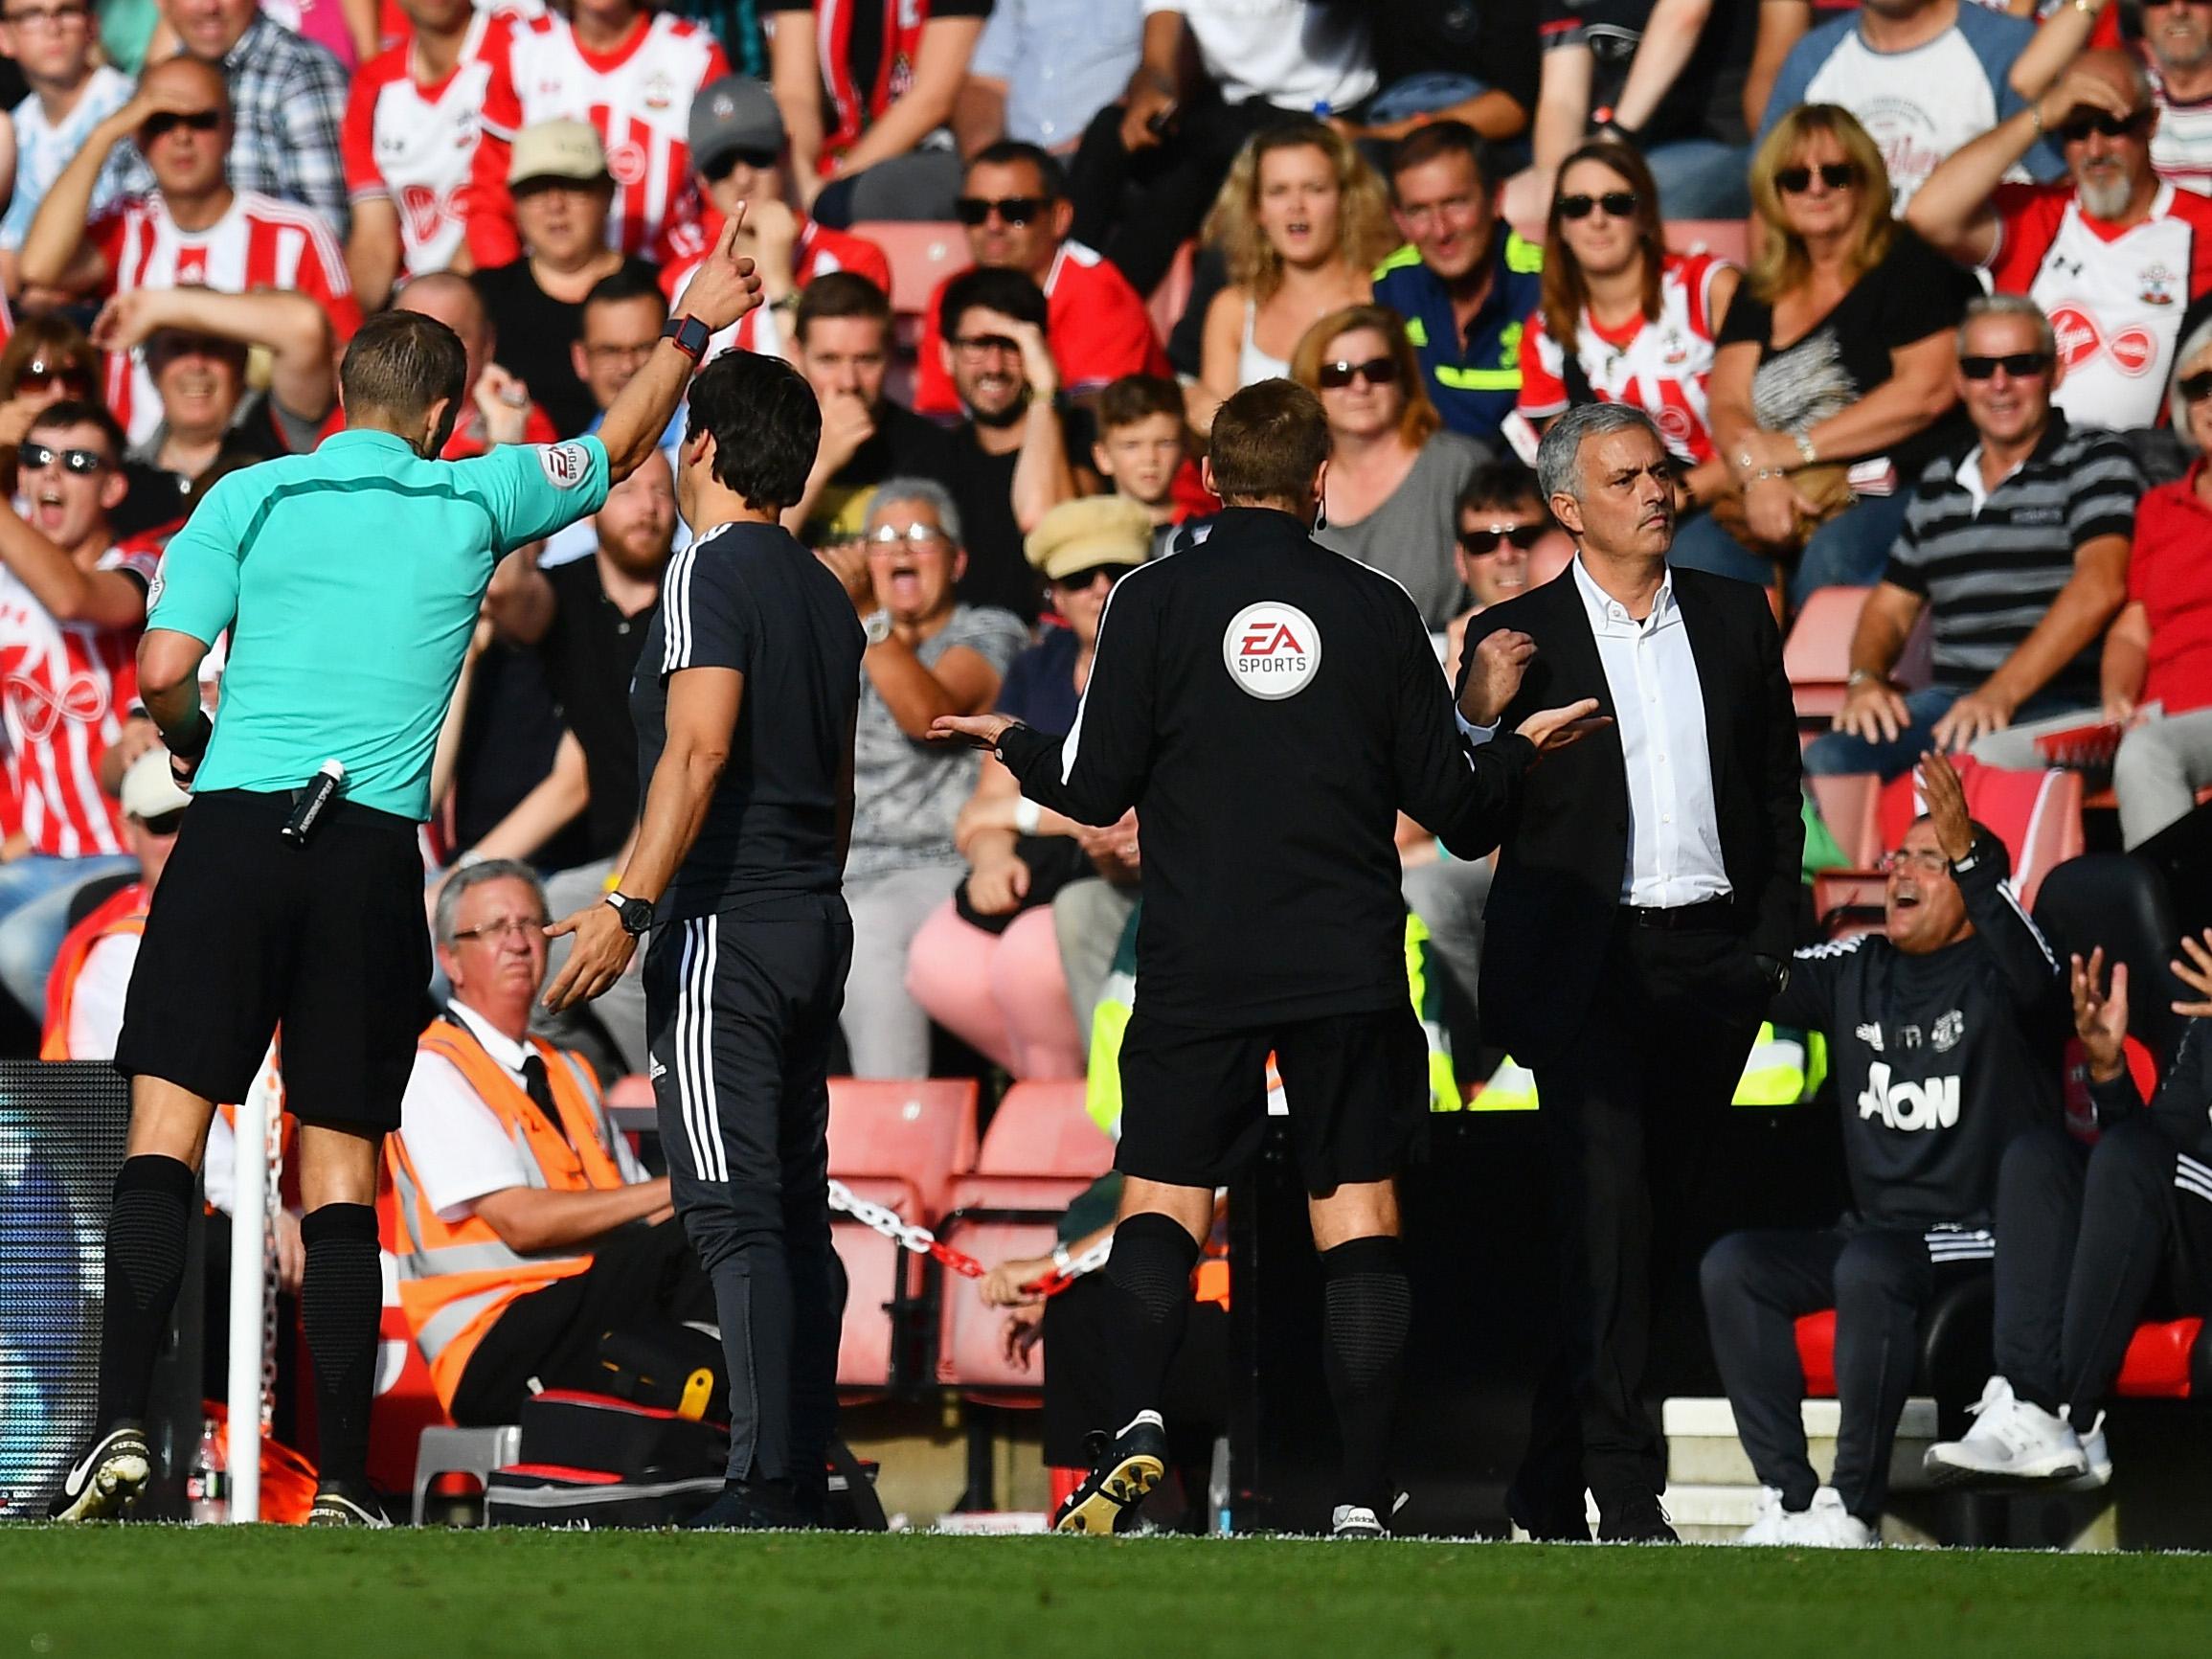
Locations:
{"points": [[1553, 906]]}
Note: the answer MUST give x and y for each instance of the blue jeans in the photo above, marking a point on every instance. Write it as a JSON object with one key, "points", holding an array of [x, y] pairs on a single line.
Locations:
{"points": [[1834, 754], [1702, 544], [36, 891], [1852, 548], [1701, 178]]}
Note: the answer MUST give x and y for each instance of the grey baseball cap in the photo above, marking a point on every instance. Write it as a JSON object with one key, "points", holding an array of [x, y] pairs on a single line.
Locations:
{"points": [[734, 113]]}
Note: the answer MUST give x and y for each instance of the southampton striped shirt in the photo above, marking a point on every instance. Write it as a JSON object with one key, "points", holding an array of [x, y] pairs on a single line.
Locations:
{"points": [[1990, 566]]}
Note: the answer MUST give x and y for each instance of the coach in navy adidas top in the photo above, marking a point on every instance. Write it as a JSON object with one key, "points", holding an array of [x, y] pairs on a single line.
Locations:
{"points": [[745, 696], [1943, 1033]]}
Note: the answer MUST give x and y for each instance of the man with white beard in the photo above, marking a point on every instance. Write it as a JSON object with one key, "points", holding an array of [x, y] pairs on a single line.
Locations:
{"points": [[2177, 55], [2114, 256]]}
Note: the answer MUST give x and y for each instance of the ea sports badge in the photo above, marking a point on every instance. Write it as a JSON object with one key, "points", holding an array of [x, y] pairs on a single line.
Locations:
{"points": [[565, 464], [1271, 650]]}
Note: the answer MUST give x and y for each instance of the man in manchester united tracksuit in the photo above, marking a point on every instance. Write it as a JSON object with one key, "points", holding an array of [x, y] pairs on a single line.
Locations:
{"points": [[1943, 1031]]}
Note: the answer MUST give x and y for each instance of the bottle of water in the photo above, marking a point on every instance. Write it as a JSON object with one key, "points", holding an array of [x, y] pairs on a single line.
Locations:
{"points": [[1217, 1515], [208, 1483]]}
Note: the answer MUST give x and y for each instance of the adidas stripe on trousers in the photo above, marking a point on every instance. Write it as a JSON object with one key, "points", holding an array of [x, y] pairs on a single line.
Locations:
{"points": [[741, 1012]]}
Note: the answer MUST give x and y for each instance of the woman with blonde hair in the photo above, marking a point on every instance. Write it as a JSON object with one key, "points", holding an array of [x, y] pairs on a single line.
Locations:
{"points": [[1302, 221], [1833, 383], [1394, 472]]}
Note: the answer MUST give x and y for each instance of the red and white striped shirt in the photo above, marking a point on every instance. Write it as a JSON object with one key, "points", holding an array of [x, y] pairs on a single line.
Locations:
{"points": [[637, 97], [413, 142], [260, 243], [819, 249], [1662, 365], [64, 690]]}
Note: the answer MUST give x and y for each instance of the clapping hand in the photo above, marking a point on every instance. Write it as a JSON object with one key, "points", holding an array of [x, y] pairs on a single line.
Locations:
{"points": [[2101, 1016], [2196, 974]]}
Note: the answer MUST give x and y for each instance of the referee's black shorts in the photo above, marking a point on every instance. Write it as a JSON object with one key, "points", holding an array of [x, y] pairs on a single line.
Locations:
{"points": [[1194, 1099], [247, 931]]}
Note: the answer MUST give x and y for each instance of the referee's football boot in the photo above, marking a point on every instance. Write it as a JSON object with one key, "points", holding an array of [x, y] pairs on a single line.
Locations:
{"points": [[1634, 1519], [345, 1503], [1124, 1472], [106, 1483]]}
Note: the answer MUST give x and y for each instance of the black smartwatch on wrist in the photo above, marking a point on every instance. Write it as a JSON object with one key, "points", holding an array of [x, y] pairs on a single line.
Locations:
{"points": [[191, 742], [690, 335], [637, 914]]}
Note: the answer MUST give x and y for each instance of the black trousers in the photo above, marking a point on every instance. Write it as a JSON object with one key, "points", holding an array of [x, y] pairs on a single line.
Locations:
{"points": [[1178, 180], [642, 1282], [2085, 1240], [741, 1017], [1629, 1108], [1079, 1338], [1880, 1282]]}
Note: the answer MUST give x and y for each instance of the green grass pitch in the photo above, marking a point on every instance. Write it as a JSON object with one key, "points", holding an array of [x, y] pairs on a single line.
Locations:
{"points": [[148, 1591]]}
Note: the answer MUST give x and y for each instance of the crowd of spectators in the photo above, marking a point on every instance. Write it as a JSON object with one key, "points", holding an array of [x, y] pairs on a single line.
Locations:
{"points": [[1451, 221]]}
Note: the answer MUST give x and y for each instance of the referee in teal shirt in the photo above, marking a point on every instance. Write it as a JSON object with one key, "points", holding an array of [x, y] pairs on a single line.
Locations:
{"points": [[349, 581]]}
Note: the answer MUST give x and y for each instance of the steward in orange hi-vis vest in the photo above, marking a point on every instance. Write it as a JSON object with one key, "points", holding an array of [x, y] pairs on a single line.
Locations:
{"points": [[457, 1277]]}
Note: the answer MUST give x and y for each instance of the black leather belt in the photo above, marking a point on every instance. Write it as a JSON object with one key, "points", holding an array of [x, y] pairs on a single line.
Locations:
{"points": [[1712, 913]]}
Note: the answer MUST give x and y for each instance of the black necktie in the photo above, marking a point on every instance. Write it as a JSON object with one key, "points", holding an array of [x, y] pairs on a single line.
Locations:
{"points": [[540, 1090]]}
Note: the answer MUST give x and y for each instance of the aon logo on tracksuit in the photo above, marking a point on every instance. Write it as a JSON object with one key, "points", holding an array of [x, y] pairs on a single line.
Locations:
{"points": [[1931, 1104]]}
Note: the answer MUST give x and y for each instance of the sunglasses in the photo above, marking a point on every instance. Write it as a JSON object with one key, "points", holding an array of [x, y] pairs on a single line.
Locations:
{"points": [[1619, 204], [889, 535], [73, 378], [1480, 543], [728, 161], [520, 926], [2196, 388], [1077, 582], [1015, 210], [38, 456], [1375, 370], [1834, 174], [2016, 363], [163, 823], [2104, 126], [161, 125]]}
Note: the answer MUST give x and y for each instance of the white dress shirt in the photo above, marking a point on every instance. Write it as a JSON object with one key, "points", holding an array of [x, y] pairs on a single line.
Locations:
{"points": [[1659, 709], [460, 1148]]}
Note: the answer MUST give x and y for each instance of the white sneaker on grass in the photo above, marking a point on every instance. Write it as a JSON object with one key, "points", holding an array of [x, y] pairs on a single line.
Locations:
{"points": [[1768, 1517], [2011, 1440], [1827, 1526]]}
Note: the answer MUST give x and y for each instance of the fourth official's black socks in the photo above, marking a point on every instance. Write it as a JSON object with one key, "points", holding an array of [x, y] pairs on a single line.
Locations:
{"points": [[1366, 1306], [340, 1302], [146, 1263], [1150, 1273]]}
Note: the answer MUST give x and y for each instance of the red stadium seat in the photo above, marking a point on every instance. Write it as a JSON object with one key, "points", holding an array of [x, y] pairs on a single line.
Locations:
{"points": [[1816, 656], [1816, 1353], [969, 1356], [921, 1131], [1727, 237], [1848, 803], [922, 254], [2161, 1359], [878, 1274]]}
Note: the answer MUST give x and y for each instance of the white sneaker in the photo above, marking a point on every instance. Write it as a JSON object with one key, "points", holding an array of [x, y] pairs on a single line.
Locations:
{"points": [[1767, 1518], [2011, 1440], [2097, 1455], [1827, 1526], [1356, 1521]]}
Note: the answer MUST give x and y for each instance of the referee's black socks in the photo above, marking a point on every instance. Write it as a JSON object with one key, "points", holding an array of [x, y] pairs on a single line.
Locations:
{"points": [[340, 1302], [1366, 1306], [1150, 1272], [145, 1262]]}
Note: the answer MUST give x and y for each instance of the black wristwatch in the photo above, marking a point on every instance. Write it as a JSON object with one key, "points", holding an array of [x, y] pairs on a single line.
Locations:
{"points": [[690, 335], [637, 914]]}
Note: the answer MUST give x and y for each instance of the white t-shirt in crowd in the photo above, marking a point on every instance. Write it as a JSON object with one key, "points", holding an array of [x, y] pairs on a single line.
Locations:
{"points": [[43, 148], [1295, 56], [457, 1145]]}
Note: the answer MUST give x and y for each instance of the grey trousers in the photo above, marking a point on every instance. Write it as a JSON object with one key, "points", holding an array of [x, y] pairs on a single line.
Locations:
{"points": [[1447, 896], [2160, 766], [884, 1030], [622, 1010], [1088, 919]]}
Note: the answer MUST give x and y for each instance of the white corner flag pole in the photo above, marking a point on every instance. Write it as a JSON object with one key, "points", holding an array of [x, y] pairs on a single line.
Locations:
{"points": [[249, 1231]]}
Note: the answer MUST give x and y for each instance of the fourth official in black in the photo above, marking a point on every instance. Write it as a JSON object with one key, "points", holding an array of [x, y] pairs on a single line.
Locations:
{"points": [[1267, 706]]}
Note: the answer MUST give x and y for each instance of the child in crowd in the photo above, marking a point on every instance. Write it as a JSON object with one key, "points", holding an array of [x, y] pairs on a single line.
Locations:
{"points": [[1143, 450]]}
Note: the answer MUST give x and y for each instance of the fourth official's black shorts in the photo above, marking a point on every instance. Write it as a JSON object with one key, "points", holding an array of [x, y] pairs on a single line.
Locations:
{"points": [[1194, 1100], [248, 931]]}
